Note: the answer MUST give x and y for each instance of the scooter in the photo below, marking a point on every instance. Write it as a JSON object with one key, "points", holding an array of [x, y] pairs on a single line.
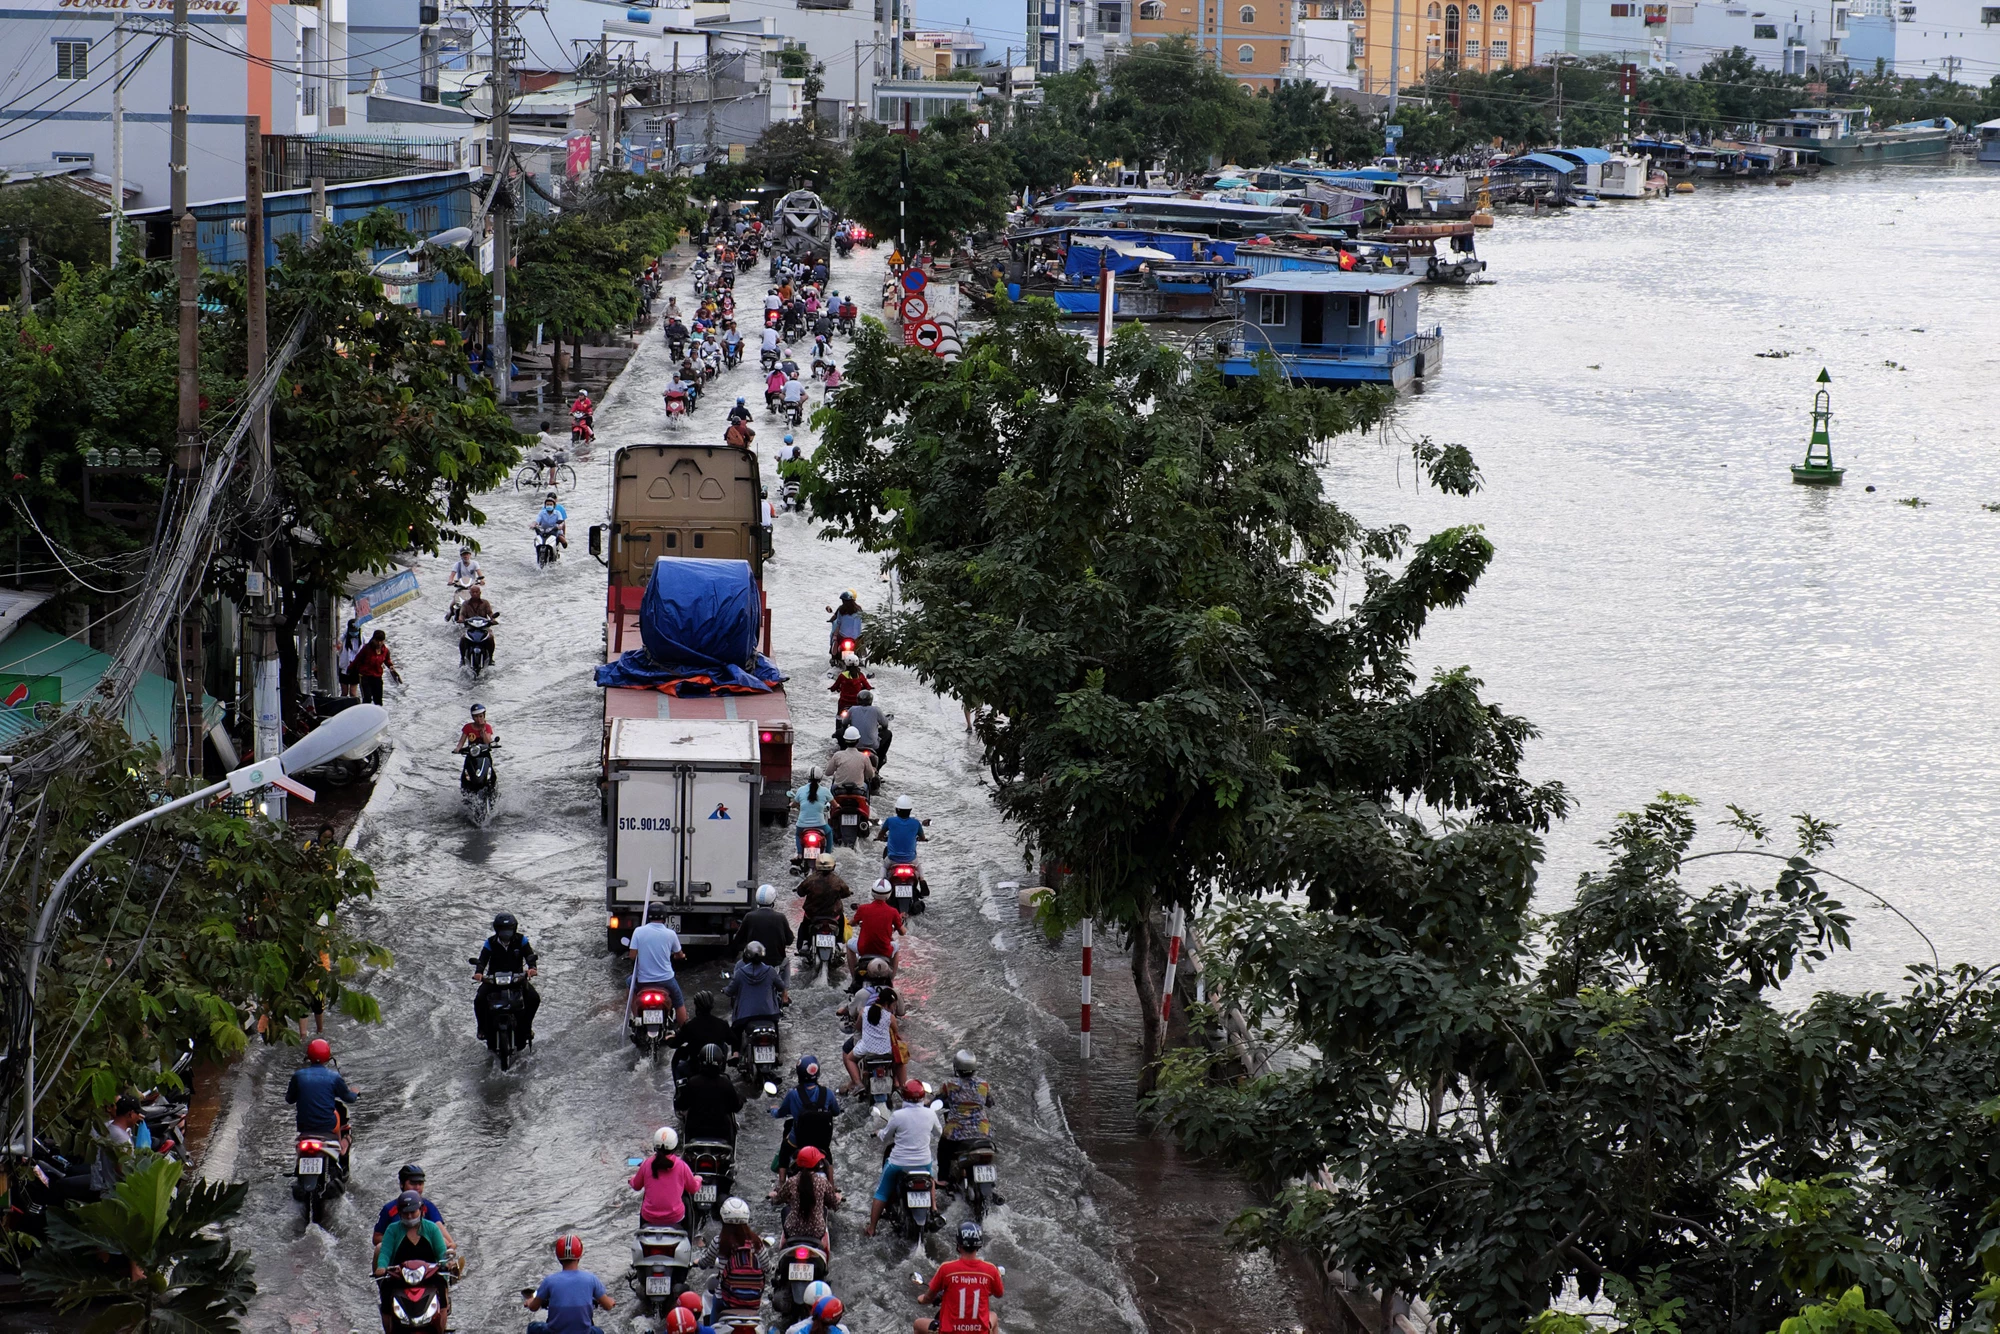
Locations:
{"points": [[819, 946], [651, 1023], [910, 1212], [811, 843], [318, 1175], [714, 1161], [850, 814], [878, 1078], [907, 890], [677, 408], [768, 359], [580, 432], [417, 1295], [477, 782], [801, 1263], [547, 547], [475, 646], [795, 410], [507, 1014], [458, 594], [732, 355], [661, 1259], [975, 1176], [760, 1049]]}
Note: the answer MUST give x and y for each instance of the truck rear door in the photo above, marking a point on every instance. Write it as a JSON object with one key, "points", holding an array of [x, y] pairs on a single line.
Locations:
{"points": [[721, 839], [648, 815]]}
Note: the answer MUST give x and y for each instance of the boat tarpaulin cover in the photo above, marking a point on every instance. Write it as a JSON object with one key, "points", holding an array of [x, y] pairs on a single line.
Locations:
{"points": [[699, 622]]}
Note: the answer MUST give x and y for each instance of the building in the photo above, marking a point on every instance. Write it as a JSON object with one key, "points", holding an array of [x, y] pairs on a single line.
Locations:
{"points": [[935, 54], [1250, 41], [1327, 51], [1063, 34], [1683, 36], [285, 64], [1957, 40], [1406, 40]]}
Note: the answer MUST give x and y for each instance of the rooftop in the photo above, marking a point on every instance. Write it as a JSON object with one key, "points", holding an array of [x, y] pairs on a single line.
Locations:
{"points": [[1309, 281]]}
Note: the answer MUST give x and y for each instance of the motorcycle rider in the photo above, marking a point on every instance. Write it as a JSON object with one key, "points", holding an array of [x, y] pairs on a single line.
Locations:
{"points": [[739, 413], [664, 1182], [963, 1289], [824, 893], [583, 405], [766, 925], [845, 621], [655, 948], [808, 1112], [878, 1032], [848, 683], [410, 1179], [552, 516], [677, 335], [825, 1318], [851, 766], [464, 577], [774, 390], [318, 1091], [803, 1198], [412, 1237], [475, 731], [505, 951], [739, 435], [737, 1258], [908, 1136], [708, 1101], [571, 1295], [795, 396], [966, 1098], [757, 991], [810, 801], [900, 834], [877, 923], [873, 725], [700, 1033]]}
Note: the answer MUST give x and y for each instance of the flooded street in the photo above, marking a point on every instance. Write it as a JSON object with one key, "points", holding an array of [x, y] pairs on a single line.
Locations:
{"points": [[1666, 605], [1103, 1229]]}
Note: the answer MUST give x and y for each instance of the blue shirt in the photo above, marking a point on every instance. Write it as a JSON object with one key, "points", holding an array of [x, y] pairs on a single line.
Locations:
{"points": [[388, 1215], [812, 814], [805, 1327], [314, 1089], [657, 944], [549, 518], [569, 1296], [794, 1104], [754, 987], [847, 626], [902, 832]]}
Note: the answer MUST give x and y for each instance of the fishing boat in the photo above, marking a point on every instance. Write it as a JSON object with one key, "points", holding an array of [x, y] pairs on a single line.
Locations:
{"points": [[1842, 137], [1332, 328]]}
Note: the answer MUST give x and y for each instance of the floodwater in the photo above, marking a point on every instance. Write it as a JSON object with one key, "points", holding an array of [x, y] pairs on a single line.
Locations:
{"points": [[1104, 1228], [1666, 605]]}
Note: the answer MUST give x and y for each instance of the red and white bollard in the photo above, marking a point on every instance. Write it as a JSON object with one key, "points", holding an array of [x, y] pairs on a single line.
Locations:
{"points": [[1084, 1035], [1176, 927]]}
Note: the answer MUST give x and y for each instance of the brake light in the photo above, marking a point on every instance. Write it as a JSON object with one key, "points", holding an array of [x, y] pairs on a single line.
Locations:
{"points": [[310, 1146], [847, 646], [802, 1254], [904, 872], [652, 998], [763, 736], [612, 921]]}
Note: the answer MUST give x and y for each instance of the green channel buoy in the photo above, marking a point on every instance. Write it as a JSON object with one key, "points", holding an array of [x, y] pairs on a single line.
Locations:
{"points": [[1818, 469]]}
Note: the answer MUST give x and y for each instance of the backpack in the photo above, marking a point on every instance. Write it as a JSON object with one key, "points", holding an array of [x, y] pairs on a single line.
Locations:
{"points": [[742, 1278], [814, 1123]]}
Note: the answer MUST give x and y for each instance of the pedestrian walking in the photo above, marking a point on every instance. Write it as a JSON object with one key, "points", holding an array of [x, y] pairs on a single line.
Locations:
{"points": [[350, 649], [371, 663]]}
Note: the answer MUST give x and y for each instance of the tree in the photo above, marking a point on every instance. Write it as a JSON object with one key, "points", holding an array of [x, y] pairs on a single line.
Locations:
{"points": [[950, 179], [793, 152], [1496, 1106], [170, 1270], [1175, 108], [1297, 119], [1133, 570], [1046, 154], [63, 226]]}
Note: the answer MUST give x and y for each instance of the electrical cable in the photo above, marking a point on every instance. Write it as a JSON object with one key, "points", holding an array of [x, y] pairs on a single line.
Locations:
{"points": [[83, 92]]}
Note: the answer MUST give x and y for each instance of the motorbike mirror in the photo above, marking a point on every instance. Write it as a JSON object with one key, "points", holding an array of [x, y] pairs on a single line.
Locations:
{"points": [[634, 1162], [770, 1240], [626, 941], [474, 961], [597, 539], [937, 1104]]}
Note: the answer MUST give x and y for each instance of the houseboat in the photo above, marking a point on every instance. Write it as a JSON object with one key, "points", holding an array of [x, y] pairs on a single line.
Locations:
{"points": [[1160, 275], [1842, 138], [1333, 329], [1989, 140]]}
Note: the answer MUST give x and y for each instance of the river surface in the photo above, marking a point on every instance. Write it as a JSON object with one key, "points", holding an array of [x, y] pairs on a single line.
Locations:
{"points": [[1670, 609], [1104, 1227]]}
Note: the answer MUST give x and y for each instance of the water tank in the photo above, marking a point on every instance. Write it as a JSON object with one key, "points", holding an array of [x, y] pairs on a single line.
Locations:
{"points": [[638, 15]]}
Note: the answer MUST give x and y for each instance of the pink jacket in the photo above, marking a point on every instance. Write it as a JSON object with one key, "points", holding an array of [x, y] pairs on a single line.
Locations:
{"points": [[663, 1196]]}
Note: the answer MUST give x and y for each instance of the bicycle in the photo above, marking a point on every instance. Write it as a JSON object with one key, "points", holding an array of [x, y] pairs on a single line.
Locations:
{"points": [[550, 474]]}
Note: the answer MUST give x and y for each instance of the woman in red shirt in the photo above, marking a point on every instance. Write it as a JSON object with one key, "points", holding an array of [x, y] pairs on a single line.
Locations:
{"points": [[369, 665]]}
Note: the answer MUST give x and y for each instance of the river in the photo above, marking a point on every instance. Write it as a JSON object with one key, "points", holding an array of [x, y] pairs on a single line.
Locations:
{"points": [[1666, 605]]}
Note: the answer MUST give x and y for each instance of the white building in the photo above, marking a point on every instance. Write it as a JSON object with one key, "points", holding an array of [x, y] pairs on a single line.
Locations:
{"points": [[1684, 35], [1957, 40], [1324, 52], [1063, 34]]}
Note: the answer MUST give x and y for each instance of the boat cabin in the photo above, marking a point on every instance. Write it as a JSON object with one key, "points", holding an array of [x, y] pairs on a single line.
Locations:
{"points": [[1334, 328], [1989, 140]]}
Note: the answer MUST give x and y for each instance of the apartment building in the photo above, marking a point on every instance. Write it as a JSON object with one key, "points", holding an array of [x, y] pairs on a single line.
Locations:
{"points": [[1404, 41], [1249, 41]]}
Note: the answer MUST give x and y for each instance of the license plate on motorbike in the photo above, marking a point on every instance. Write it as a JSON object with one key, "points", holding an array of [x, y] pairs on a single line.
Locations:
{"points": [[918, 1199], [800, 1273], [982, 1172], [850, 819], [879, 1086], [653, 1017], [311, 1167], [823, 942], [765, 1055], [705, 1193], [659, 1285]]}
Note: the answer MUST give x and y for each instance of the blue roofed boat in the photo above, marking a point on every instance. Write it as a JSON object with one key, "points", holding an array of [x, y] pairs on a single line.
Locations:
{"points": [[1334, 328]]}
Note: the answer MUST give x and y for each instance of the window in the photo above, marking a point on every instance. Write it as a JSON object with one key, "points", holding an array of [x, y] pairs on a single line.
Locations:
{"points": [[1989, 14], [1451, 30], [1433, 12], [1499, 13], [1110, 18], [1152, 10], [1621, 11], [1472, 48], [1357, 306], [1246, 54], [1356, 9], [1497, 51], [1683, 14], [72, 60], [1767, 32], [1472, 13], [1247, 15]]}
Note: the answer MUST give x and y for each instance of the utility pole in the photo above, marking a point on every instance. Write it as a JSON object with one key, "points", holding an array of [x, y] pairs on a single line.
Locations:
{"points": [[187, 434], [117, 133], [263, 637], [318, 220], [503, 215], [27, 279], [604, 135], [1395, 55]]}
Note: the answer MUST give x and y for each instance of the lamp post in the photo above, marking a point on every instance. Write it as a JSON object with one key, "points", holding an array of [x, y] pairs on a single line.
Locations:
{"points": [[347, 730]]}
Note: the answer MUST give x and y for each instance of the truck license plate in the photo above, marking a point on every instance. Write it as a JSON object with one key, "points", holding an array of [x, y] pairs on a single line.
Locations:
{"points": [[801, 1273], [823, 942], [705, 1193], [654, 1017], [765, 1055], [311, 1167], [982, 1172], [918, 1199], [659, 1285]]}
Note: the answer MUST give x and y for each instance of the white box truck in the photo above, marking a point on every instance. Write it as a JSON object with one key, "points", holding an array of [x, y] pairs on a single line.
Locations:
{"points": [[683, 807]]}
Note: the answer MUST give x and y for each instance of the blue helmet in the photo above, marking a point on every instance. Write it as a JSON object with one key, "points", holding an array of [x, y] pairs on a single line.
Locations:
{"points": [[808, 1068]]}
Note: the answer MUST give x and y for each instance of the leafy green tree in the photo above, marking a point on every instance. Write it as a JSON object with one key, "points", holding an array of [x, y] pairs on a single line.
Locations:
{"points": [[793, 152], [63, 226], [1133, 569], [1176, 109], [951, 179], [148, 1258], [1047, 154], [1297, 119], [1847, 1314]]}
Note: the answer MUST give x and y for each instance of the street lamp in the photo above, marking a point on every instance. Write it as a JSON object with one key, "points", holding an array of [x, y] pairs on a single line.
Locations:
{"points": [[350, 729], [449, 239]]}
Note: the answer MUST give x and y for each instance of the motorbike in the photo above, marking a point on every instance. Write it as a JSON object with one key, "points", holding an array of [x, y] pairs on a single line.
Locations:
{"points": [[878, 1078], [907, 890], [650, 1023], [910, 1212], [416, 1295], [795, 410], [819, 946], [714, 1161], [768, 359], [810, 844], [477, 782], [732, 355], [677, 408], [975, 1177], [318, 1175], [458, 596], [507, 1014], [845, 322], [801, 1263], [547, 552], [580, 432], [850, 814], [53, 1180], [844, 244], [788, 491], [760, 1049], [661, 1259], [475, 645]]}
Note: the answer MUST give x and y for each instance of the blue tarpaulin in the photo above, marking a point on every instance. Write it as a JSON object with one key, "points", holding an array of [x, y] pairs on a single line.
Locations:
{"points": [[699, 621]]}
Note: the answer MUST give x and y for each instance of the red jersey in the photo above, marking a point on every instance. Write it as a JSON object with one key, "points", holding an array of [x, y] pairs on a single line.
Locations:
{"points": [[969, 1286], [875, 926], [847, 688]]}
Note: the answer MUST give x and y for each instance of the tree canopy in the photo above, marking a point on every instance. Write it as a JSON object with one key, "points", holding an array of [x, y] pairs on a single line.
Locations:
{"points": [[949, 179]]}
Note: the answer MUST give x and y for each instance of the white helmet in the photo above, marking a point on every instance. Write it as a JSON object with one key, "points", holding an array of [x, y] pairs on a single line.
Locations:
{"points": [[666, 1137], [905, 804], [848, 659], [881, 890], [766, 896], [734, 1210], [852, 734], [816, 1291]]}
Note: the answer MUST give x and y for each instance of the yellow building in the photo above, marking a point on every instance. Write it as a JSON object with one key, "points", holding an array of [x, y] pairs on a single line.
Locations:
{"points": [[1255, 36], [1438, 35]]}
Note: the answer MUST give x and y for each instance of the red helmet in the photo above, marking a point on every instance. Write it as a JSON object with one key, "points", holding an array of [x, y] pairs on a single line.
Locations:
{"points": [[829, 1310], [691, 1300], [810, 1158], [318, 1051], [913, 1090], [569, 1248], [680, 1320]]}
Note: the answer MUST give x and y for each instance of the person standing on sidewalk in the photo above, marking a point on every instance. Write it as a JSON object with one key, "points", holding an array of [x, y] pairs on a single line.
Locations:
{"points": [[370, 663]]}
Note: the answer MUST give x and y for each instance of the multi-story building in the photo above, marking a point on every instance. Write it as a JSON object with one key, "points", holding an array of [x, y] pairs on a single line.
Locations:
{"points": [[1683, 35], [1406, 40], [1249, 41], [1327, 50], [1063, 34]]}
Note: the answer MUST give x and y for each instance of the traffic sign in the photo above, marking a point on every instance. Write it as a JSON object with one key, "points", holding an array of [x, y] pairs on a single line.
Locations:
{"points": [[928, 336], [914, 308], [914, 280]]}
